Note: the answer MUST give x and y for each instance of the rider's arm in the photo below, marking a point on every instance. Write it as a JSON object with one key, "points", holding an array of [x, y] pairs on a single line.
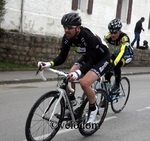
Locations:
{"points": [[61, 58], [118, 58], [124, 45]]}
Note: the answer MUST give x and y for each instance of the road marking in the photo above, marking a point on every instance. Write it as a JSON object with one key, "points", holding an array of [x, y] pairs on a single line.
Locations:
{"points": [[109, 118], [69, 130], [143, 109]]}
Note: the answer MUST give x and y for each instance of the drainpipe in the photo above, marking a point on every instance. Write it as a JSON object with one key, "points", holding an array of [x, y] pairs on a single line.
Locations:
{"points": [[21, 16]]}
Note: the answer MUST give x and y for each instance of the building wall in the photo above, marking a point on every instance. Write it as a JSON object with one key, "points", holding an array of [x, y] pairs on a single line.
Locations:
{"points": [[29, 49], [43, 17]]}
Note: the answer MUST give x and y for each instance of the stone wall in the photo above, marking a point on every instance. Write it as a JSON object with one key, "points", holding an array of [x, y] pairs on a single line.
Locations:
{"points": [[29, 49], [141, 58]]}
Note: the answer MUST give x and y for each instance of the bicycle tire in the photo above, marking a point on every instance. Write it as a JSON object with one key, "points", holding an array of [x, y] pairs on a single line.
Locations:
{"points": [[120, 101], [89, 129], [38, 127]]}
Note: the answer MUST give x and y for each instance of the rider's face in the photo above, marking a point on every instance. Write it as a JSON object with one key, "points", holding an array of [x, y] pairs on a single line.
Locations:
{"points": [[71, 31], [114, 36]]}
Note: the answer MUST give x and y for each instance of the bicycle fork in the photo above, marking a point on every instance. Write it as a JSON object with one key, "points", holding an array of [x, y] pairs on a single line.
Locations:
{"points": [[58, 101], [49, 105]]}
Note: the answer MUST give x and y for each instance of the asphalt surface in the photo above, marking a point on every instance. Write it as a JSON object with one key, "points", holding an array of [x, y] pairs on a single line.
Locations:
{"points": [[24, 76]]}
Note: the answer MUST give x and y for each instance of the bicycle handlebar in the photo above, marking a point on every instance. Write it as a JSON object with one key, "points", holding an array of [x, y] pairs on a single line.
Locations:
{"points": [[59, 73]]}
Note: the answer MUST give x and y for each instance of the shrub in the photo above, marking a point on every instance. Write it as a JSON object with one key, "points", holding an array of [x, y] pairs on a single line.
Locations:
{"points": [[2, 9], [2, 12]]}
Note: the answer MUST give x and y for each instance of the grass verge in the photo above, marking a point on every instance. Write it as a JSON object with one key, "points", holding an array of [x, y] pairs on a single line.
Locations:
{"points": [[9, 65]]}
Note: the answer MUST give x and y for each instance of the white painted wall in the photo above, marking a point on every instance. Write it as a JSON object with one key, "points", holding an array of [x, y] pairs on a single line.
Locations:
{"points": [[43, 16], [12, 16]]}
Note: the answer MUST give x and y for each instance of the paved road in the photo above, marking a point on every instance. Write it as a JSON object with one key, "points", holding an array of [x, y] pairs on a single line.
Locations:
{"points": [[132, 124], [7, 77]]}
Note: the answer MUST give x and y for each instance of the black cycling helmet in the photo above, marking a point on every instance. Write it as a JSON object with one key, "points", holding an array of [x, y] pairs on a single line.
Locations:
{"points": [[114, 26], [71, 19]]}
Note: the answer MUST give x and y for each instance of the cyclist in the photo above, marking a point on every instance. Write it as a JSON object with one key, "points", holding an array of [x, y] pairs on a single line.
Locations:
{"points": [[93, 63], [122, 52]]}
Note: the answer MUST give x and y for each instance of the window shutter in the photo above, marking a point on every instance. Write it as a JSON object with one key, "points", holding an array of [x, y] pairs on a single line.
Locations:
{"points": [[90, 7], [119, 7], [74, 4], [129, 12]]}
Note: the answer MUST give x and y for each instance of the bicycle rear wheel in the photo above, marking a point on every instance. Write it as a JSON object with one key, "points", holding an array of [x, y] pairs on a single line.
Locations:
{"points": [[89, 129], [41, 124], [119, 101]]}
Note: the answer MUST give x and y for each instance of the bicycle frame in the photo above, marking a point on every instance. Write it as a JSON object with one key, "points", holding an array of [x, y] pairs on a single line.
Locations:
{"points": [[62, 92], [104, 84]]}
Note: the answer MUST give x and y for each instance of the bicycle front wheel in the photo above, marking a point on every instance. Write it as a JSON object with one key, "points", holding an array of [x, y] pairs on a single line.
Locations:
{"points": [[119, 101], [42, 124], [89, 129]]}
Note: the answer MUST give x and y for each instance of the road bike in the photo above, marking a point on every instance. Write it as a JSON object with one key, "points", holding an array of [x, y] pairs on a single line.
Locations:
{"points": [[43, 121], [119, 100]]}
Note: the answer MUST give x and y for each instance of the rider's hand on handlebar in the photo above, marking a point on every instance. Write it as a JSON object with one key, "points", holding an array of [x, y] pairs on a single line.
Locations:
{"points": [[74, 75], [44, 65]]}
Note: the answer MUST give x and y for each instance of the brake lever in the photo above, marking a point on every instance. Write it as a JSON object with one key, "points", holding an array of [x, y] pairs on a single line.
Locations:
{"points": [[38, 70]]}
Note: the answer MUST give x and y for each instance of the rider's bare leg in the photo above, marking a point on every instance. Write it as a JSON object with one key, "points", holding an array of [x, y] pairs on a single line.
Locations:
{"points": [[86, 83]]}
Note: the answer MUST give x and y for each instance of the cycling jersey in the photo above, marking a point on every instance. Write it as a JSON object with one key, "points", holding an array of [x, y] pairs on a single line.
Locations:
{"points": [[120, 47], [86, 44]]}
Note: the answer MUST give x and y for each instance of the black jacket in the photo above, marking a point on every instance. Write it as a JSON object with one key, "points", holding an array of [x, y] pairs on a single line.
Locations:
{"points": [[138, 27], [85, 43]]}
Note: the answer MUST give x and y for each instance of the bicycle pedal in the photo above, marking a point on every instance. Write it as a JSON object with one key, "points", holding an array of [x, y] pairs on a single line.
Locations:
{"points": [[66, 118], [98, 113]]}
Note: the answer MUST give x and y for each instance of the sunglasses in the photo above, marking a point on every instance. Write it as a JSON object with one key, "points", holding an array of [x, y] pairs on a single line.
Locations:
{"points": [[115, 32], [69, 27]]}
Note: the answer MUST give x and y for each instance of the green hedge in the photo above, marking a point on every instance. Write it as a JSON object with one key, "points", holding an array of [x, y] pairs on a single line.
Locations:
{"points": [[2, 9], [2, 12]]}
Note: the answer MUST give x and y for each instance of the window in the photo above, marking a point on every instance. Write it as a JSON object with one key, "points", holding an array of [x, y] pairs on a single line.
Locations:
{"points": [[129, 12], [83, 5], [79, 4], [119, 7], [90, 7], [124, 10], [74, 4], [149, 22]]}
